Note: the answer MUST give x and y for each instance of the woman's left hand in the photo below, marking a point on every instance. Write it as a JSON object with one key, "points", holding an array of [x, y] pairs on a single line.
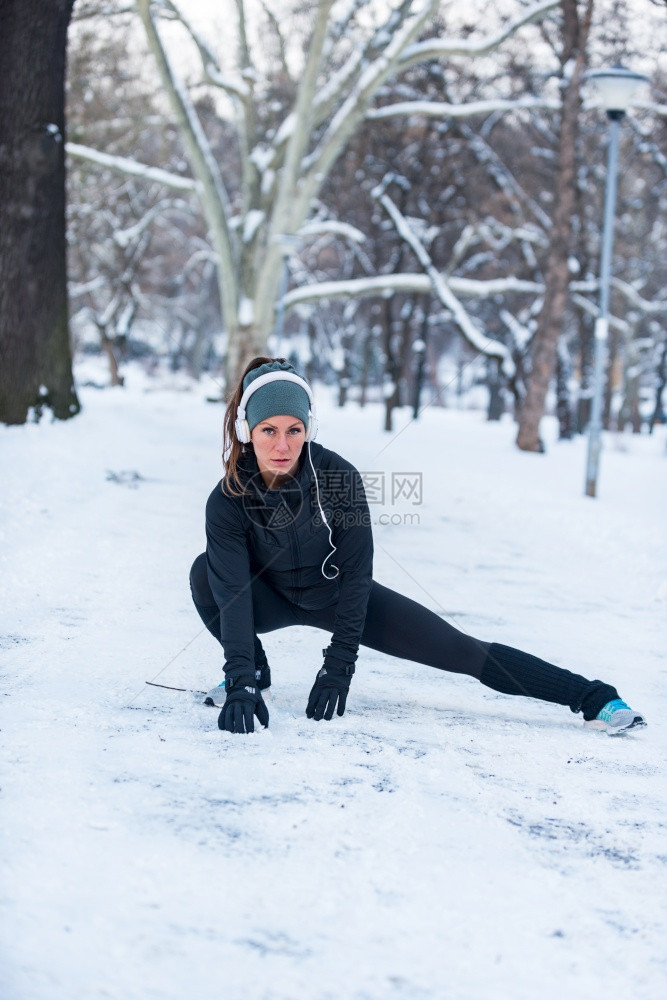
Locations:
{"points": [[329, 692]]}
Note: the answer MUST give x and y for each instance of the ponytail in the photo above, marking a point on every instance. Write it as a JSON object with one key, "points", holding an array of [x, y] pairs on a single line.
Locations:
{"points": [[232, 449]]}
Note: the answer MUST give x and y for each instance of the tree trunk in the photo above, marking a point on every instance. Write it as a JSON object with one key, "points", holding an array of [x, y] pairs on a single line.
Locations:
{"points": [[610, 378], [494, 382], [392, 366], [107, 346], [366, 366], [573, 61], [420, 350], [563, 404], [586, 377], [35, 351], [661, 382]]}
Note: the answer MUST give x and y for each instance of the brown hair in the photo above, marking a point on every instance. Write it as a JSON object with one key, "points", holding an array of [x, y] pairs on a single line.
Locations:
{"points": [[232, 449]]}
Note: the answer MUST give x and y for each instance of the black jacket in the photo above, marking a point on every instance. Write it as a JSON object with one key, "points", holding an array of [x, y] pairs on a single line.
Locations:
{"points": [[279, 535]]}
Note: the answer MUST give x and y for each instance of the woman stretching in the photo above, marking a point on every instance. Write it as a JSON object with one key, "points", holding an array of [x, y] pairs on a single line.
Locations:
{"points": [[289, 542]]}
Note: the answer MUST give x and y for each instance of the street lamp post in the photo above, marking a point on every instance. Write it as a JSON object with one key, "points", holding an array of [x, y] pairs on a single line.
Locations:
{"points": [[616, 87]]}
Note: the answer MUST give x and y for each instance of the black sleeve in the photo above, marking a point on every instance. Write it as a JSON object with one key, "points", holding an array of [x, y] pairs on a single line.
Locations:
{"points": [[353, 538], [228, 564]]}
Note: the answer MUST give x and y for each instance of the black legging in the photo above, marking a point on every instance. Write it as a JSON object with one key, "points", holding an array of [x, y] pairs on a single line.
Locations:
{"points": [[400, 627]]}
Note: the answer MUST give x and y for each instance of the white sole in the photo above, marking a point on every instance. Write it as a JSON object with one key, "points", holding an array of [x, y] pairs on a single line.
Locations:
{"points": [[216, 697], [604, 727]]}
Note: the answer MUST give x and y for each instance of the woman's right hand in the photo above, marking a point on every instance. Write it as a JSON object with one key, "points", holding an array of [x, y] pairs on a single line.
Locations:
{"points": [[244, 701]]}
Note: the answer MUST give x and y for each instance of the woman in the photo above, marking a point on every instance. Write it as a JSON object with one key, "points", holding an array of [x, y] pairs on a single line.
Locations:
{"points": [[284, 510]]}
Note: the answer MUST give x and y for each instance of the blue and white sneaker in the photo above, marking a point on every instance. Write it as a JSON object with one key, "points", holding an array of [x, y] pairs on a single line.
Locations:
{"points": [[216, 696], [616, 717]]}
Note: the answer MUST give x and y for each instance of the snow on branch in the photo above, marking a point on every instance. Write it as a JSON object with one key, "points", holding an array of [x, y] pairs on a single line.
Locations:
{"points": [[125, 165], [355, 105], [442, 287], [521, 334], [345, 78], [389, 284], [432, 109], [630, 293], [333, 227], [213, 193], [283, 219], [236, 88], [503, 176], [436, 48], [658, 109], [591, 308], [299, 134], [274, 24], [339, 82], [633, 296], [74, 290]]}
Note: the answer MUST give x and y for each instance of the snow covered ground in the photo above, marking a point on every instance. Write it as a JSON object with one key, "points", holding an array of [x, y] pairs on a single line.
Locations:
{"points": [[438, 841]]}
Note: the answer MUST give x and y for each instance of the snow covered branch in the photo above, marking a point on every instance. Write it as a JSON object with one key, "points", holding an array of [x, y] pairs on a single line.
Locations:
{"points": [[437, 48], [213, 194], [433, 109], [346, 77], [125, 165], [283, 219], [442, 288], [504, 177], [592, 309], [630, 293], [657, 109], [633, 296], [332, 226], [234, 87], [420, 284], [299, 133], [353, 109], [280, 39], [131, 234]]}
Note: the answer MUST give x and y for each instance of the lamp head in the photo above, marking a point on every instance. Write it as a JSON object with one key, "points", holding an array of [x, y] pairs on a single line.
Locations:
{"points": [[616, 86]]}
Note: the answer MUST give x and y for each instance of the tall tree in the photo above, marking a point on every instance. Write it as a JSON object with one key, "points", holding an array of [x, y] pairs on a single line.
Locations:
{"points": [[576, 27], [35, 354]]}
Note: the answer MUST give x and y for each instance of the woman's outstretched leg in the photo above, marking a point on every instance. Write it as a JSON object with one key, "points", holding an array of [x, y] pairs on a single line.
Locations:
{"points": [[512, 671], [401, 627]]}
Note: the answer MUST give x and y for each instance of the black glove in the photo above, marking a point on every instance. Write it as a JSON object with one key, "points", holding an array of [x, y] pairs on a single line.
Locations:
{"points": [[262, 674], [330, 689], [244, 701]]}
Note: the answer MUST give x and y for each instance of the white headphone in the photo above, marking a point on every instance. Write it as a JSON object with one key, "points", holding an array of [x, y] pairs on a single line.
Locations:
{"points": [[242, 429], [241, 425]]}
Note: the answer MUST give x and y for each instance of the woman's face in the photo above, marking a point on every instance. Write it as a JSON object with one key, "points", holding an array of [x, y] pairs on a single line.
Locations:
{"points": [[278, 442]]}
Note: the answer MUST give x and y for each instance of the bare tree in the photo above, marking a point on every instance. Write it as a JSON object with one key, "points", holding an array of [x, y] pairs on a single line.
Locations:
{"points": [[286, 155]]}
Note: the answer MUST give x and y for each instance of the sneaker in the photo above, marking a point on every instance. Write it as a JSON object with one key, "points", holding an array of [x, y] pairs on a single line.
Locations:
{"points": [[217, 695], [616, 717]]}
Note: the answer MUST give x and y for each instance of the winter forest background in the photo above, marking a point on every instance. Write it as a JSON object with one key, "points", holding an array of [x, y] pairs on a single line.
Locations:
{"points": [[404, 198]]}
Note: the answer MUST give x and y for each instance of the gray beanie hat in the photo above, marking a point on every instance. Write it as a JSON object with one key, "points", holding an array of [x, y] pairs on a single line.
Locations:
{"points": [[278, 398]]}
